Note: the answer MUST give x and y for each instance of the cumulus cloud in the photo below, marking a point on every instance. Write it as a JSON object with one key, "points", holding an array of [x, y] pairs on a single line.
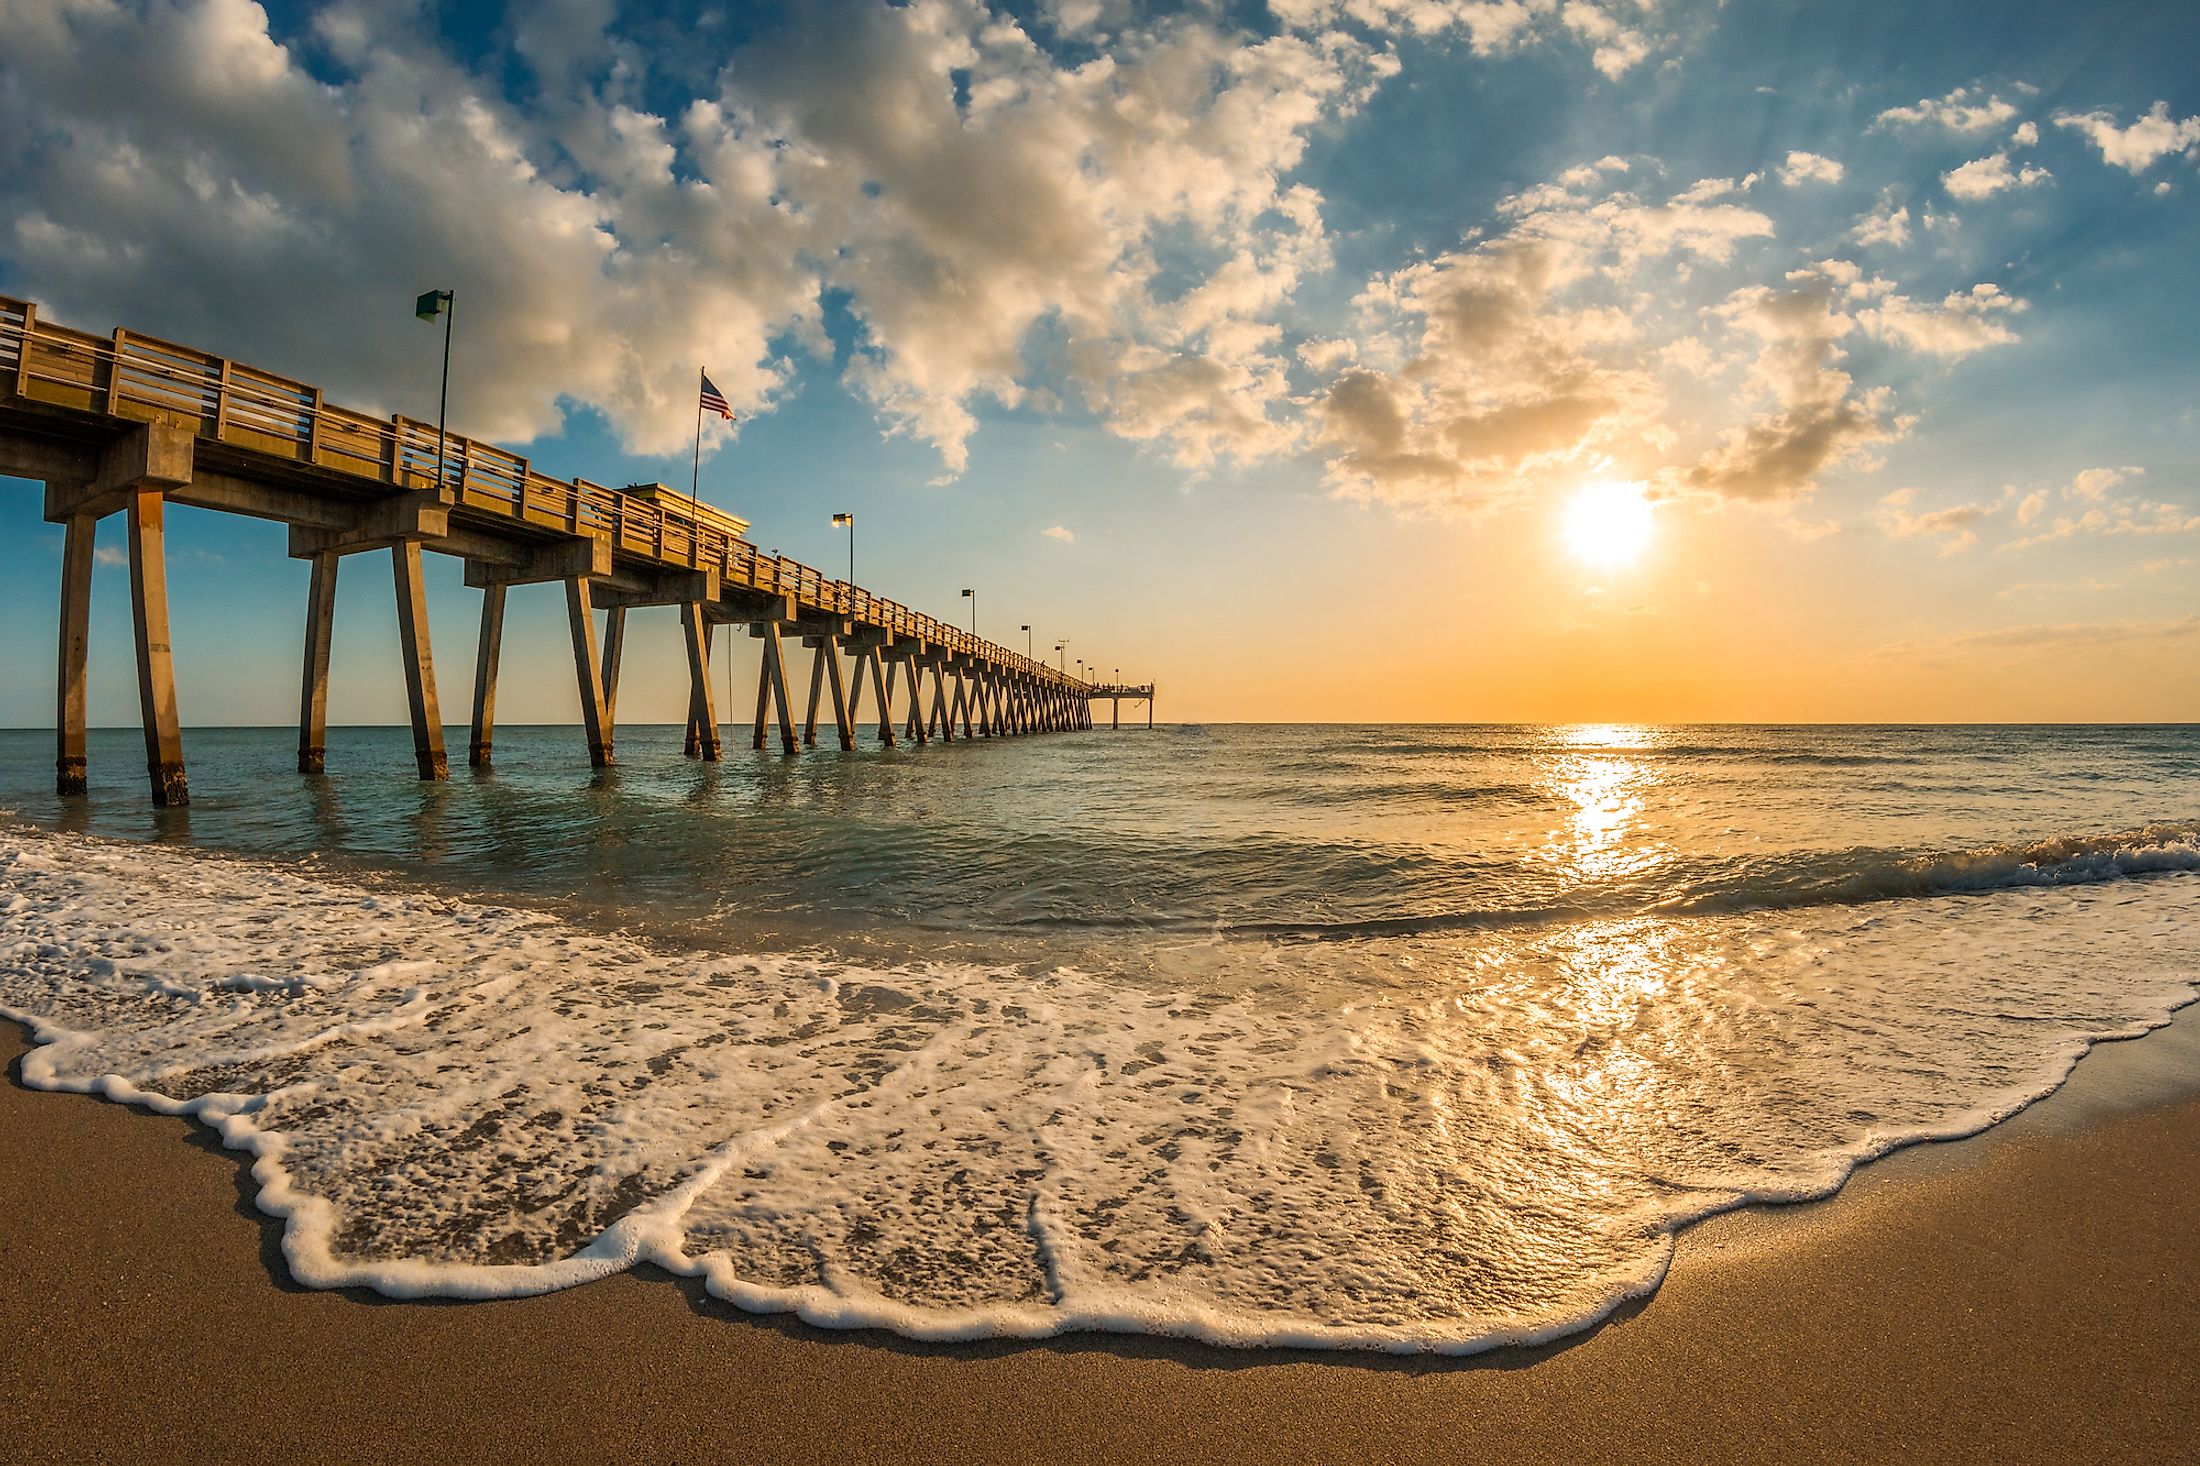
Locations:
{"points": [[1617, 33], [1538, 355], [2138, 147], [1512, 364], [1816, 417], [1887, 224], [1058, 532], [1965, 321], [1809, 168], [2096, 510], [1985, 177], [1956, 527], [1963, 110], [2094, 483], [929, 166]]}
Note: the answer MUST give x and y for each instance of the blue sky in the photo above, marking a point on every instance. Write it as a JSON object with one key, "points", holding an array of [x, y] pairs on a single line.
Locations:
{"points": [[1301, 326]]}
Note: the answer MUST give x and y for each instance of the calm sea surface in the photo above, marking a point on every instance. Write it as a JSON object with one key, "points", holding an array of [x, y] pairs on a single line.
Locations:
{"points": [[1398, 1037]]}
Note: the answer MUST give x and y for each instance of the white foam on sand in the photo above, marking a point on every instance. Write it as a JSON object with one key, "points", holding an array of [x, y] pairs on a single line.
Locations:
{"points": [[1482, 1138]]}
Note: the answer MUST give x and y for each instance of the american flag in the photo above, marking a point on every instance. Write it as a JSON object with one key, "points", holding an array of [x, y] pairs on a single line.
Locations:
{"points": [[715, 400]]}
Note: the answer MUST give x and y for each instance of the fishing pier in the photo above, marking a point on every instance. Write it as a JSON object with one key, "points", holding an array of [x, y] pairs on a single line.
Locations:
{"points": [[128, 424]]}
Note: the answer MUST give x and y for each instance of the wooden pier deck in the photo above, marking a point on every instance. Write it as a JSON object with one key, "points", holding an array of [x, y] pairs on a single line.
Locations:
{"points": [[126, 423]]}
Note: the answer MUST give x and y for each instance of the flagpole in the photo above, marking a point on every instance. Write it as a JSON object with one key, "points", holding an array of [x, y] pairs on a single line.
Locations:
{"points": [[695, 484]]}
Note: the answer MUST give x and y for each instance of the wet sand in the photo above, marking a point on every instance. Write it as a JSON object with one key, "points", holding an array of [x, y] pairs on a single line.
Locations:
{"points": [[2029, 1294]]}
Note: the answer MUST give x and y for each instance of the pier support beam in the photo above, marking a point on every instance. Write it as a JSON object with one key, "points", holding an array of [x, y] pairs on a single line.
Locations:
{"points": [[905, 665], [132, 473], [614, 650], [486, 656], [580, 613], [867, 661], [313, 683], [412, 637], [771, 687], [156, 662], [702, 729], [826, 668], [76, 631], [941, 723]]}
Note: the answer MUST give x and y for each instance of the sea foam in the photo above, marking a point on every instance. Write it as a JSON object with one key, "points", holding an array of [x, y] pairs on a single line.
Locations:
{"points": [[1490, 1140]]}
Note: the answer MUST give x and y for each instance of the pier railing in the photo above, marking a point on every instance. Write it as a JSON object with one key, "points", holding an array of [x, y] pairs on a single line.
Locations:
{"points": [[138, 378]]}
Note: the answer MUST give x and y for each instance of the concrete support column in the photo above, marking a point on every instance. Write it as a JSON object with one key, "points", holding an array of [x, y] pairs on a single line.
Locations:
{"points": [[580, 615], [1115, 712], [486, 656], [412, 636], [942, 724], [156, 662], [702, 718], [913, 725], [885, 702], [817, 690], [843, 718], [614, 649], [771, 683], [76, 630], [702, 732], [313, 681]]}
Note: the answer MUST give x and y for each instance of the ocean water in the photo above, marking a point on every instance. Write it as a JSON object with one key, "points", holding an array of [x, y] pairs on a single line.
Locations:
{"points": [[1398, 1038]]}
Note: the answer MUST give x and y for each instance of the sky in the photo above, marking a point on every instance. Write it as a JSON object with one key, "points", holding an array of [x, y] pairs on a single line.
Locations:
{"points": [[1323, 360]]}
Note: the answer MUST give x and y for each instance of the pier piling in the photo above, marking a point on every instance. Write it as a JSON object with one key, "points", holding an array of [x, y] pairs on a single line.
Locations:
{"points": [[486, 657], [313, 684], [76, 629]]}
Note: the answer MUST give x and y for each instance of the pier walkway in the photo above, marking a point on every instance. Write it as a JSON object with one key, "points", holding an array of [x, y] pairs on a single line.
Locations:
{"points": [[128, 424]]}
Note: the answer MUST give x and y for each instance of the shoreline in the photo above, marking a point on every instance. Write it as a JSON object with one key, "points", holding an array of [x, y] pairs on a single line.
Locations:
{"points": [[1970, 1298]]}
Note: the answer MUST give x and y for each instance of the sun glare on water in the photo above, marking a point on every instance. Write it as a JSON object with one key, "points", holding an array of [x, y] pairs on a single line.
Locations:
{"points": [[1608, 523]]}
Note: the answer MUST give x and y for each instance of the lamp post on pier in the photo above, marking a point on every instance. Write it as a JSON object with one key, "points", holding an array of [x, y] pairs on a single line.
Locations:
{"points": [[430, 305], [1061, 661], [847, 521], [972, 597], [1026, 630]]}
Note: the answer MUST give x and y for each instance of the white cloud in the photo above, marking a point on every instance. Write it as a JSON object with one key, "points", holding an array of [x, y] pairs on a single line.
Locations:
{"points": [[1962, 110], [2027, 135], [1984, 177], [1963, 322], [1955, 527], [1495, 27], [929, 165], [1888, 224], [1617, 47], [2138, 147], [1809, 168], [112, 556], [1498, 370], [1058, 532], [2103, 513], [2094, 483]]}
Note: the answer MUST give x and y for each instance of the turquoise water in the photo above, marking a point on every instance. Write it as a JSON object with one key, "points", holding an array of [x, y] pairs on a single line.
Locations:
{"points": [[1398, 1037]]}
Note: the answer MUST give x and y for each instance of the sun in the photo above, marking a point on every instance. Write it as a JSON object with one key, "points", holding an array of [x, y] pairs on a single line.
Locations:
{"points": [[1608, 523]]}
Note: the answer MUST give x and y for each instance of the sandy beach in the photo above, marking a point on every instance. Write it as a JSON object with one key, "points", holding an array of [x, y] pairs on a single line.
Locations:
{"points": [[1963, 1301]]}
